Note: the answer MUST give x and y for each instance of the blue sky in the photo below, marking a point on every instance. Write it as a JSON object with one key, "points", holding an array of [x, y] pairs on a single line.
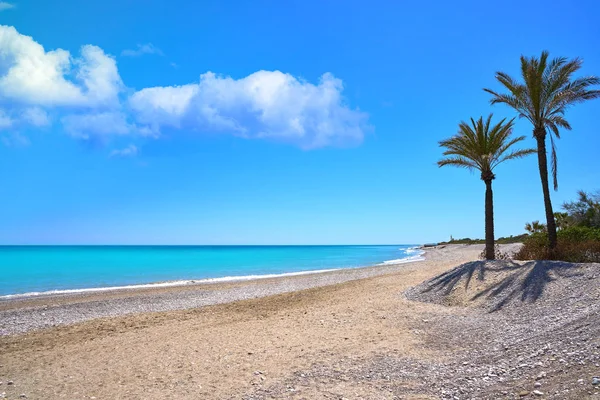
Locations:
{"points": [[269, 122]]}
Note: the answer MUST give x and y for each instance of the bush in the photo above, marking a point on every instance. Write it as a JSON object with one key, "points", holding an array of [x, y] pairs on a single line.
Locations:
{"points": [[583, 252], [535, 247], [575, 244], [583, 212], [579, 234]]}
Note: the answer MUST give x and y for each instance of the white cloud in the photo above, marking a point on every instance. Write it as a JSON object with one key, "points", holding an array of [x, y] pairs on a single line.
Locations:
{"points": [[35, 116], [33, 75], [99, 75], [129, 151], [147, 48], [97, 124], [36, 77], [5, 120], [86, 94], [30, 116], [163, 105], [14, 139], [264, 104], [6, 6]]}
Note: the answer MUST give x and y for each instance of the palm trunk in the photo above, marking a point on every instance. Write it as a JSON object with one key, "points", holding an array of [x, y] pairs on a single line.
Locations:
{"points": [[543, 165], [490, 254]]}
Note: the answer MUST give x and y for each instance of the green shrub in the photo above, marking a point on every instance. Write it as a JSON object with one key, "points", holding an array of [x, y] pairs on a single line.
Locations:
{"points": [[535, 247], [585, 211], [575, 244], [579, 234]]}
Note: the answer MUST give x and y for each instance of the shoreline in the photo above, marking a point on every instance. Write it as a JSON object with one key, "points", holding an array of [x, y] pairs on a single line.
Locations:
{"points": [[203, 281], [356, 334], [26, 313]]}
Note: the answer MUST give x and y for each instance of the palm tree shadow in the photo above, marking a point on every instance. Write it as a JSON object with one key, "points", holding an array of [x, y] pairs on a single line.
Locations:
{"points": [[526, 282], [448, 280], [529, 283]]}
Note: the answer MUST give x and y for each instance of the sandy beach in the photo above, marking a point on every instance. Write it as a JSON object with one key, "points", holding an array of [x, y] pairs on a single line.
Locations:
{"points": [[348, 334], [299, 200]]}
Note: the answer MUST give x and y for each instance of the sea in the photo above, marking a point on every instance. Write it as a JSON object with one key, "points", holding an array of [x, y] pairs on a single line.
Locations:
{"points": [[35, 270]]}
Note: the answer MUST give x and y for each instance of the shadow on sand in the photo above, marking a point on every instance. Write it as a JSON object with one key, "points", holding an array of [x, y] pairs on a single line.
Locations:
{"points": [[526, 281]]}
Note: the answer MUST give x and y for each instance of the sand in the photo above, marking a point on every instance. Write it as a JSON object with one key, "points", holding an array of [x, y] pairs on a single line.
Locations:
{"points": [[318, 338]]}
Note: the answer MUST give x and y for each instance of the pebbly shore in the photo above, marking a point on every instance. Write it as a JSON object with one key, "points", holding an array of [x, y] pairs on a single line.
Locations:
{"points": [[20, 315]]}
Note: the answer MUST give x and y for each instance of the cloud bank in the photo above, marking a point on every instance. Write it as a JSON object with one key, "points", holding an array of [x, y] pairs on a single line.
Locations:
{"points": [[86, 95]]}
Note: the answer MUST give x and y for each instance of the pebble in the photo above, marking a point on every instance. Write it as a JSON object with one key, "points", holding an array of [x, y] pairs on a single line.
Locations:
{"points": [[30, 319], [521, 363], [9, 382], [541, 375]]}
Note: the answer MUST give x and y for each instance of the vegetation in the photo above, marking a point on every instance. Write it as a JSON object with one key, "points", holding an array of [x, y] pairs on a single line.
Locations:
{"points": [[583, 212], [502, 240], [570, 246], [543, 98], [535, 227], [542, 95], [483, 146], [578, 234]]}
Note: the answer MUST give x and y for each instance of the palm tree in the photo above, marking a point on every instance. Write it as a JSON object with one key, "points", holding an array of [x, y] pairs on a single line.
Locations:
{"points": [[543, 99], [535, 227], [482, 146]]}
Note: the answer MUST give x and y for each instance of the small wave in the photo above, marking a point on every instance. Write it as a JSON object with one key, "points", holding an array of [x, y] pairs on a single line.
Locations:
{"points": [[164, 284], [414, 258], [414, 254], [413, 250]]}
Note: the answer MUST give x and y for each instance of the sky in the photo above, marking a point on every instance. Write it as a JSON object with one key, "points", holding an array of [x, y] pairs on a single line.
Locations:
{"points": [[270, 122]]}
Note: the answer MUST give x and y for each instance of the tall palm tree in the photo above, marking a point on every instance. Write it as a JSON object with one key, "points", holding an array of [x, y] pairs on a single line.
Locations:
{"points": [[482, 146], [543, 98]]}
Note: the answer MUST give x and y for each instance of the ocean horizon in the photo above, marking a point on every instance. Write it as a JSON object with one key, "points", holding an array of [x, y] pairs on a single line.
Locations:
{"points": [[29, 270]]}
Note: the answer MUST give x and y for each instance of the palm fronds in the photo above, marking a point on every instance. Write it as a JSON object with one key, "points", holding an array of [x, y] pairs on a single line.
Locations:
{"points": [[547, 90], [482, 145]]}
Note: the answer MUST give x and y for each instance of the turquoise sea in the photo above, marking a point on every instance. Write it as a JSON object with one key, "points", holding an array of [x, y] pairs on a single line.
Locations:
{"points": [[35, 269]]}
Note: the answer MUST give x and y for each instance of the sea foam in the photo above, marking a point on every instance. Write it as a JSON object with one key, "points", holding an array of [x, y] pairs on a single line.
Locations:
{"points": [[222, 279]]}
